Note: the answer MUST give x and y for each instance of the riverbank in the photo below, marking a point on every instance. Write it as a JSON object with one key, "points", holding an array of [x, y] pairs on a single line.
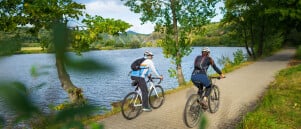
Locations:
{"points": [[280, 105], [34, 50]]}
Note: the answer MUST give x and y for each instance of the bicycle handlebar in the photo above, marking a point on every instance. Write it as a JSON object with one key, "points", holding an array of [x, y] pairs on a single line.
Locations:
{"points": [[157, 78], [150, 78], [216, 77]]}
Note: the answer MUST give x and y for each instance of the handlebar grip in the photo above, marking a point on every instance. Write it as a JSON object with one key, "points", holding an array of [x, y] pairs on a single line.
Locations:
{"points": [[217, 77]]}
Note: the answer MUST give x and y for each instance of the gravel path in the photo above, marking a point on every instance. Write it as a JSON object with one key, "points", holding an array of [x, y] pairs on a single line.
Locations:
{"points": [[239, 90]]}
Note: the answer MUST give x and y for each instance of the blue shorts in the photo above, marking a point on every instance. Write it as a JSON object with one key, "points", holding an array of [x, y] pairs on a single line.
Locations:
{"points": [[200, 80]]}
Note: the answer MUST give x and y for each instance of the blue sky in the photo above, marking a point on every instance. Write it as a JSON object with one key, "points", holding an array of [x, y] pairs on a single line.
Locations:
{"points": [[115, 9]]}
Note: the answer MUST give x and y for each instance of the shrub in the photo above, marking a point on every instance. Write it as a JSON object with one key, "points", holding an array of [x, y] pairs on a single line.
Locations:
{"points": [[118, 44], [238, 57], [9, 46], [110, 43], [134, 44]]}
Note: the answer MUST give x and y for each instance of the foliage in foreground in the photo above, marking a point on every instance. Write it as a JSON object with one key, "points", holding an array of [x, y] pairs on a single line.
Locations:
{"points": [[15, 97], [280, 107]]}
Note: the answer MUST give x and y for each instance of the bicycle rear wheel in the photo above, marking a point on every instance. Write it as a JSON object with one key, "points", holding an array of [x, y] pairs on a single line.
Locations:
{"points": [[192, 111], [214, 98], [131, 106], [156, 97]]}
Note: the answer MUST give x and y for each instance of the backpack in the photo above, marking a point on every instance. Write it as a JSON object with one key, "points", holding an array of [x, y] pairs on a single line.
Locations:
{"points": [[136, 64]]}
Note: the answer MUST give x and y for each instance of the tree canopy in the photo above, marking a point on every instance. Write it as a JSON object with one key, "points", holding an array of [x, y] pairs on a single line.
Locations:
{"points": [[177, 20]]}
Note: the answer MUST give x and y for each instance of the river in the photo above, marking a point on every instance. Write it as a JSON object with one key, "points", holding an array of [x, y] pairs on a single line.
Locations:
{"points": [[102, 87]]}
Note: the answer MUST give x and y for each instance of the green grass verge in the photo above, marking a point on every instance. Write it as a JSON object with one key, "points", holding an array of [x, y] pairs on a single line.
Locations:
{"points": [[280, 107]]}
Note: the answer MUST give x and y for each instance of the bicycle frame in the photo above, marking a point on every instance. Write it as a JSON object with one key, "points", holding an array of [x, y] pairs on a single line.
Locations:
{"points": [[136, 98], [151, 85]]}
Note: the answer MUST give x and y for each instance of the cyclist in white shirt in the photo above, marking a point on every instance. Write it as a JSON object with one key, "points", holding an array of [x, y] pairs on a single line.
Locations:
{"points": [[139, 75]]}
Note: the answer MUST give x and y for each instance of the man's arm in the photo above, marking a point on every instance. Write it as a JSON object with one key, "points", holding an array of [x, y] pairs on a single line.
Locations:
{"points": [[153, 68]]}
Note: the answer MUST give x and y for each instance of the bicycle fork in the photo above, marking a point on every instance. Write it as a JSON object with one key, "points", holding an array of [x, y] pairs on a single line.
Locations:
{"points": [[153, 87]]}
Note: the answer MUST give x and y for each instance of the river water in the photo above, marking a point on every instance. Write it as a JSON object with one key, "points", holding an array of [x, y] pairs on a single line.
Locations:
{"points": [[102, 87]]}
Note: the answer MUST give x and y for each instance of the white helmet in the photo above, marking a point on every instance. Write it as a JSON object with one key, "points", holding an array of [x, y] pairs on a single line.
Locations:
{"points": [[148, 53], [206, 49]]}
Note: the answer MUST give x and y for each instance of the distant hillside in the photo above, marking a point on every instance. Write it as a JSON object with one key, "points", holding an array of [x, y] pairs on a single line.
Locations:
{"points": [[131, 32], [136, 33]]}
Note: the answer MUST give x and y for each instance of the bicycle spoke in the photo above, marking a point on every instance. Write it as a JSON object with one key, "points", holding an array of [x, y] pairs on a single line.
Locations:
{"points": [[192, 111], [214, 99], [131, 106]]}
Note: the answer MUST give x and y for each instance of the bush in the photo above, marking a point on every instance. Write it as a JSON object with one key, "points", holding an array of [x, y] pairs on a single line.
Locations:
{"points": [[273, 43], [119, 44], [134, 44], [9, 46], [110, 43], [238, 57]]}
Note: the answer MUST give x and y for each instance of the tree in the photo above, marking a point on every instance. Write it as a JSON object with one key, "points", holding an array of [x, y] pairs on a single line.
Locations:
{"points": [[54, 15], [95, 27], [289, 14], [257, 28], [178, 20]]}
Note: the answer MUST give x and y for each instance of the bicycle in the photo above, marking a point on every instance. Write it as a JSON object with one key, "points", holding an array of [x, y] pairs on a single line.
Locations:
{"points": [[132, 103], [194, 108]]}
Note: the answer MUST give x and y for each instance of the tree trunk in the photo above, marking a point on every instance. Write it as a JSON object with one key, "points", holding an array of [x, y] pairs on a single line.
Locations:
{"points": [[180, 76], [252, 41], [74, 93], [246, 41], [261, 40], [181, 79]]}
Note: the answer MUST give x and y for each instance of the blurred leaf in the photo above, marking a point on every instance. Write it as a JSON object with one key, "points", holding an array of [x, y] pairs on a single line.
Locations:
{"points": [[73, 125], [38, 86], [203, 122], [35, 72], [14, 94], [96, 126], [73, 112], [2, 122], [86, 65]]}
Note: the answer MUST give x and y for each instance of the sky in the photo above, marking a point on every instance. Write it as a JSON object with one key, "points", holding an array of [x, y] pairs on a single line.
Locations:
{"points": [[115, 9]]}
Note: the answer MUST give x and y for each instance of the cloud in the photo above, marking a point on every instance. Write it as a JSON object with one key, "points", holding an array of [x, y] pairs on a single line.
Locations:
{"points": [[115, 9]]}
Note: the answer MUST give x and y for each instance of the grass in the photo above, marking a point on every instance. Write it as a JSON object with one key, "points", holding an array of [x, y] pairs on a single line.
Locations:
{"points": [[280, 107], [30, 50], [231, 68]]}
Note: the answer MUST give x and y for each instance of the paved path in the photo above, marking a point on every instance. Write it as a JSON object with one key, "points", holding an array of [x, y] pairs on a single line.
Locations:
{"points": [[241, 88]]}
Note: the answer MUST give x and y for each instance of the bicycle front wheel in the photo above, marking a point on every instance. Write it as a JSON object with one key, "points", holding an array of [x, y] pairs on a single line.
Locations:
{"points": [[192, 111], [214, 99], [156, 97], [131, 106]]}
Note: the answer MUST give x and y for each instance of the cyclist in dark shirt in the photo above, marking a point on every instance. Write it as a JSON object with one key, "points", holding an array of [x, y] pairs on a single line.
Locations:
{"points": [[199, 75]]}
